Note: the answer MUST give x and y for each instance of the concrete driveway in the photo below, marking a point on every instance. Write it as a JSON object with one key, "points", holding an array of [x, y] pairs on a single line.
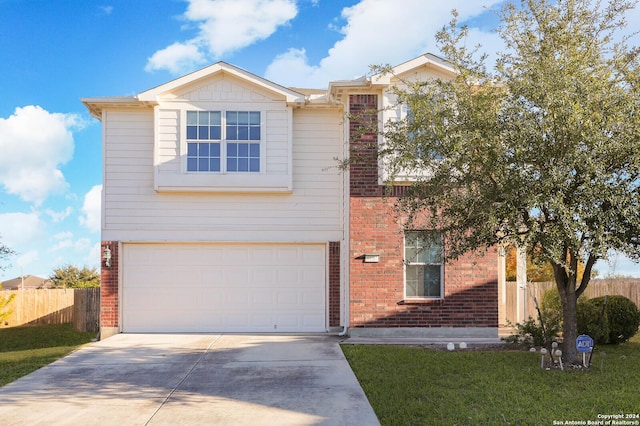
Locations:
{"points": [[193, 379]]}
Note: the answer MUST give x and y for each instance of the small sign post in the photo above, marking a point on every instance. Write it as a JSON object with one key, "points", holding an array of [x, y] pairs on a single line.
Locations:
{"points": [[584, 345]]}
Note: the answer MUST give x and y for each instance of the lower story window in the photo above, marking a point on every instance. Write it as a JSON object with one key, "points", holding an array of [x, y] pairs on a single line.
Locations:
{"points": [[423, 264]]}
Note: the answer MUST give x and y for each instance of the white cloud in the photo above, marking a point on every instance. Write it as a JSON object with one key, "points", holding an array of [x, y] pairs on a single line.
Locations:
{"points": [[223, 27], [379, 32], [91, 209], [18, 228], [177, 59], [34, 144], [59, 216]]}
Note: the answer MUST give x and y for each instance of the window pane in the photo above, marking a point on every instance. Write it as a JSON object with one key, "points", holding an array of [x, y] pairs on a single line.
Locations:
{"points": [[203, 149], [431, 281], [243, 164], [254, 165], [215, 150], [192, 164], [192, 118], [243, 150], [203, 132], [215, 118], [254, 150], [413, 280], [192, 149], [203, 118], [203, 164], [243, 117], [232, 118], [243, 133], [232, 150], [215, 132], [254, 133], [232, 133], [232, 165], [254, 117], [192, 132], [214, 165]]}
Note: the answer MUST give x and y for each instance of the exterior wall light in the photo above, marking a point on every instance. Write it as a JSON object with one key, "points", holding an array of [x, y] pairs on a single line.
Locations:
{"points": [[371, 258], [106, 256]]}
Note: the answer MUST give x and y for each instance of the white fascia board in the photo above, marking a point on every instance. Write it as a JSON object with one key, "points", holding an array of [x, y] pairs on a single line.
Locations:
{"points": [[96, 105], [152, 95], [421, 61]]}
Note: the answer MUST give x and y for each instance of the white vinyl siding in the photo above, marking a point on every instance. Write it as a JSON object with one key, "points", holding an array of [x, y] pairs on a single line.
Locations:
{"points": [[134, 211]]}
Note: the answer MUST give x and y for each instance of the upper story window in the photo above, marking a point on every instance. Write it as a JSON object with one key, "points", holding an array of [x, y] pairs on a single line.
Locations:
{"points": [[223, 141], [423, 264]]}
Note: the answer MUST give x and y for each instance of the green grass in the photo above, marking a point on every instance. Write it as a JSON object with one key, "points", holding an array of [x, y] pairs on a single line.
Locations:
{"points": [[420, 386], [25, 349]]}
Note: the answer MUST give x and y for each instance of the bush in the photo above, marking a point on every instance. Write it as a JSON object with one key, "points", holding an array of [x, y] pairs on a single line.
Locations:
{"points": [[529, 333], [623, 317], [590, 321]]}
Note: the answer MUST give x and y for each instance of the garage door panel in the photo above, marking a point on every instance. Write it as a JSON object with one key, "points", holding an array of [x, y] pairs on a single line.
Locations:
{"points": [[223, 288]]}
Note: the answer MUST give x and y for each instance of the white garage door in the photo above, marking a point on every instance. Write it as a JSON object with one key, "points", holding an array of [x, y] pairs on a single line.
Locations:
{"points": [[223, 288]]}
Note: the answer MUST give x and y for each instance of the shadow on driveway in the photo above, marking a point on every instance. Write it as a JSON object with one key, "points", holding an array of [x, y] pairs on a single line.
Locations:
{"points": [[162, 379]]}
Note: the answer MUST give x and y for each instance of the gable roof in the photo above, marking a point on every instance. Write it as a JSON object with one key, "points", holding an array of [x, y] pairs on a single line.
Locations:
{"points": [[338, 89], [150, 97]]}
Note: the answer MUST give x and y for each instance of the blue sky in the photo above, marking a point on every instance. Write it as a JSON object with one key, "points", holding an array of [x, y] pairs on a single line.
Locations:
{"points": [[53, 53]]}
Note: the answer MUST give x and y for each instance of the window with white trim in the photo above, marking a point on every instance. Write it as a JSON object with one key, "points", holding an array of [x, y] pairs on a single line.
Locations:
{"points": [[423, 264], [223, 141]]}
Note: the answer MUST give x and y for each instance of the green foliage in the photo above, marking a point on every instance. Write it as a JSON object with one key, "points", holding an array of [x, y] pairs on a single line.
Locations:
{"points": [[591, 321], [5, 252], [542, 152], [532, 332], [623, 317], [4, 302], [70, 276]]}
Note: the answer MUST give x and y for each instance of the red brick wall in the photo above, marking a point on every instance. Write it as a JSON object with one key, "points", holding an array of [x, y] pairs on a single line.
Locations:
{"points": [[377, 289], [334, 284], [109, 287]]}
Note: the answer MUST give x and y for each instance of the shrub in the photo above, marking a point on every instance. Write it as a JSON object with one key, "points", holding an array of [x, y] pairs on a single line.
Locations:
{"points": [[528, 333], [590, 321], [623, 317]]}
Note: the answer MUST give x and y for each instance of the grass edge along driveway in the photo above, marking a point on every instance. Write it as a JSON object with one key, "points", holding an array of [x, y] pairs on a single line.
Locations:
{"points": [[24, 349], [409, 385]]}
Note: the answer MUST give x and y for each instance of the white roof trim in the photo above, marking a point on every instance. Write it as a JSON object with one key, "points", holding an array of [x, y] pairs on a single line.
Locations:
{"points": [[420, 61], [152, 95]]}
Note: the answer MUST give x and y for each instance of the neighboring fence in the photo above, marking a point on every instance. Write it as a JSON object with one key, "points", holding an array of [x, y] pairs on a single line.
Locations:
{"points": [[599, 287], [80, 306]]}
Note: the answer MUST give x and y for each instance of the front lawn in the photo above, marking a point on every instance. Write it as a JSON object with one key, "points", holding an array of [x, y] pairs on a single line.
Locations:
{"points": [[25, 349], [422, 386]]}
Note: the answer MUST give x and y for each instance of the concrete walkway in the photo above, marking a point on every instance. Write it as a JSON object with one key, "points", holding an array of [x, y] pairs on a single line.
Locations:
{"points": [[178, 379]]}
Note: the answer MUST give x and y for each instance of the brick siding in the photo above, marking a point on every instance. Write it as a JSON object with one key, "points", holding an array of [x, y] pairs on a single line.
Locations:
{"points": [[377, 289], [334, 284], [109, 287]]}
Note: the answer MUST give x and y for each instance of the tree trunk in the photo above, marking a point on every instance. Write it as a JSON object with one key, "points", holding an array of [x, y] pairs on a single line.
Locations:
{"points": [[570, 324]]}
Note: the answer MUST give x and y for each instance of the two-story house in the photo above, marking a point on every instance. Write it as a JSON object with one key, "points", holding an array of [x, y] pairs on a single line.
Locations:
{"points": [[224, 210]]}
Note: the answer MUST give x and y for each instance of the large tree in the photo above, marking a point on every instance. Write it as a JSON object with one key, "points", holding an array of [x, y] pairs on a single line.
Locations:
{"points": [[542, 151]]}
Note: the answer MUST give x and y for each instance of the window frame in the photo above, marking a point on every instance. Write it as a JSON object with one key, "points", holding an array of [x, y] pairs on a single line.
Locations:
{"points": [[224, 142], [408, 262]]}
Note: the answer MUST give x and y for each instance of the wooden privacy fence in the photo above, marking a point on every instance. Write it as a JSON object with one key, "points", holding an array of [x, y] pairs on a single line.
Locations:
{"points": [[601, 287], [80, 306]]}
